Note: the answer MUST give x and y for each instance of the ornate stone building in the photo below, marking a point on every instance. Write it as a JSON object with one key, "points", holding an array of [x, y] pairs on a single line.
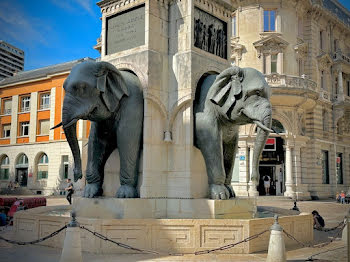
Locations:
{"points": [[303, 48]]}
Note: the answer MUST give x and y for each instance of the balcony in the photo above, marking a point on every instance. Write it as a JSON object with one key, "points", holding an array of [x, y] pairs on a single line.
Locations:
{"points": [[292, 91], [25, 109], [7, 111], [339, 56], [44, 106]]}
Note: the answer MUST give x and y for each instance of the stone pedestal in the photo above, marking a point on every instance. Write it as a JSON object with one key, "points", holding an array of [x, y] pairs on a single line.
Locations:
{"points": [[109, 208]]}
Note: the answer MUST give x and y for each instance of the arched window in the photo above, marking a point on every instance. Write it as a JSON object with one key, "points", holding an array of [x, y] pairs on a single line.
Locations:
{"points": [[43, 166], [277, 126], [4, 168], [22, 161]]}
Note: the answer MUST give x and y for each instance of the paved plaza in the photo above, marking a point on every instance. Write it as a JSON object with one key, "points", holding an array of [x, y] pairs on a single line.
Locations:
{"points": [[332, 212]]}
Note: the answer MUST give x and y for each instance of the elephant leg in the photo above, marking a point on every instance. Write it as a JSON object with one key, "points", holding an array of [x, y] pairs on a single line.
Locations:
{"points": [[129, 138], [230, 150], [100, 147], [209, 141]]}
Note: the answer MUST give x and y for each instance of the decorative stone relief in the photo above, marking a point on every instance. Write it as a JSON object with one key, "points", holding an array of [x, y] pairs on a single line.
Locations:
{"points": [[210, 33], [324, 61], [301, 49], [302, 126], [270, 44], [236, 49]]}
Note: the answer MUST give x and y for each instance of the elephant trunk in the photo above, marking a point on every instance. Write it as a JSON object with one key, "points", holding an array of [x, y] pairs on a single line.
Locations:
{"points": [[261, 137], [69, 127]]}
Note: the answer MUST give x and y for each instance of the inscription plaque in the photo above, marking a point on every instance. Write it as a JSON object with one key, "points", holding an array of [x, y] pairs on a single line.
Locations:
{"points": [[210, 33], [125, 30]]}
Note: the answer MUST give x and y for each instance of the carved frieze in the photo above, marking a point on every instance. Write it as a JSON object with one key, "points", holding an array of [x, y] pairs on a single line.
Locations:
{"points": [[210, 33], [301, 49]]}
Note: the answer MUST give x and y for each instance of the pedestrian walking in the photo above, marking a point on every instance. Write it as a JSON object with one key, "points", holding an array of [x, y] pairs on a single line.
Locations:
{"points": [[70, 190]]}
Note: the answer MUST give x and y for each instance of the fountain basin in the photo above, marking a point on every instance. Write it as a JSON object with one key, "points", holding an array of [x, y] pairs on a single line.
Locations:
{"points": [[166, 235]]}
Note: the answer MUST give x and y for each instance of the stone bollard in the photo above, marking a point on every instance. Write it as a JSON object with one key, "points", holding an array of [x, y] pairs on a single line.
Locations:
{"points": [[277, 249], [71, 251]]}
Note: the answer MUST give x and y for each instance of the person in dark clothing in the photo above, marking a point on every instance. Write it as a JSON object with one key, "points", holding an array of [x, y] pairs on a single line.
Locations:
{"points": [[318, 220], [70, 190]]}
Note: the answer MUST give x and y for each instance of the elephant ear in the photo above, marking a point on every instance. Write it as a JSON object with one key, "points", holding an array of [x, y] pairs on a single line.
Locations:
{"points": [[111, 84], [230, 86]]}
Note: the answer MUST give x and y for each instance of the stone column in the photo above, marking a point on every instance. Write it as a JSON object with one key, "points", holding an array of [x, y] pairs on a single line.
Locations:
{"points": [[33, 116], [289, 176], [252, 186], [52, 112], [14, 114], [340, 86]]}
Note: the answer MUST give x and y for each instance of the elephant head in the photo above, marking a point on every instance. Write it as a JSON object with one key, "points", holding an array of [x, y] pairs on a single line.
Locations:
{"points": [[93, 91], [241, 96]]}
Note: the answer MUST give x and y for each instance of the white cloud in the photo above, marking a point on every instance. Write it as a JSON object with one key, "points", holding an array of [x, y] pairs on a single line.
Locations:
{"points": [[75, 5], [15, 24]]}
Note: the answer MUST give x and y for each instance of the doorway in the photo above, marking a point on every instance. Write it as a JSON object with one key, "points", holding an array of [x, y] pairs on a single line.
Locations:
{"points": [[22, 176], [272, 165]]}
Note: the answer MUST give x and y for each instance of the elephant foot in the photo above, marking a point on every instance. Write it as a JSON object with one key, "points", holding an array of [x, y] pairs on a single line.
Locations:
{"points": [[93, 190], [218, 192], [77, 174], [230, 190], [126, 191]]}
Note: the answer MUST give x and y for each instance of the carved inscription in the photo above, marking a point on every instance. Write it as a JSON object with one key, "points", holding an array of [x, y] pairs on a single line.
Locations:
{"points": [[210, 33], [125, 30]]}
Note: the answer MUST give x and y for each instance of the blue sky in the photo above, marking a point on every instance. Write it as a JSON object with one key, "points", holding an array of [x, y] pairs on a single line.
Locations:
{"points": [[54, 31]]}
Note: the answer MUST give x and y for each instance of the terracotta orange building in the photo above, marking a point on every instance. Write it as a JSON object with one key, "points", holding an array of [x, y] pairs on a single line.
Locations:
{"points": [[38, 158]]}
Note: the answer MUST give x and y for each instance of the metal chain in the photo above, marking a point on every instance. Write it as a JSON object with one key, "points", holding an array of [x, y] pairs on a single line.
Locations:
{"points": [[332, 228], [317, 245], [173, 254], [118, 243], [311, 259], [34, 241]]}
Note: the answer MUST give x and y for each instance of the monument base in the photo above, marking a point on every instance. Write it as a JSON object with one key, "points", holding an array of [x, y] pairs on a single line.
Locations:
{"points": [[141, 208]]}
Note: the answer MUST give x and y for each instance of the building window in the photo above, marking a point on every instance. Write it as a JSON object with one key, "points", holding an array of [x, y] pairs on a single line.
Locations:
{"points": [[348, 87], [325, 167], [300, 27], [7, 106], [24, 129], [234, 23], [269, 20], [43, 167], [44, 101], [25, 104], [65, 165], [339, 168], [44, 127], [4, 168], [336, 85], [6, 131], [321, 40], [322, 80], [325, 120], [264, 65], [274, 63], [301, 67], [22, 160]]}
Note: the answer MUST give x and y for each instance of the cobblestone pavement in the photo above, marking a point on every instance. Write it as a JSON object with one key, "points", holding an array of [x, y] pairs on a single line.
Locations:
{"points": [[332, 212]]}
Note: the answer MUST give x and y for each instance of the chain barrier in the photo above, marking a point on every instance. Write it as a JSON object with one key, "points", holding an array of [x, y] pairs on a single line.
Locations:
{"points": [[174, 254], [322, 252], [34, 241], [343, 224], [332, 228]]}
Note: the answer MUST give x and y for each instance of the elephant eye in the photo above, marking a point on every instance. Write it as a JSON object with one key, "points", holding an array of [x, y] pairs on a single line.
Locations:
{"points": [[258, 92]]}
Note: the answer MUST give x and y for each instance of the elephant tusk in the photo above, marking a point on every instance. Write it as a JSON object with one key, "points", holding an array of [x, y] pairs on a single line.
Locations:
{"points": [[56, 126], [70, 123], [259, 124]]}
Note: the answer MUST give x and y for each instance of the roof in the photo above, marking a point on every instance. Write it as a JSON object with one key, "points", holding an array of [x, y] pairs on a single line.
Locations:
{"points": [[42, 72], [336, 8]]}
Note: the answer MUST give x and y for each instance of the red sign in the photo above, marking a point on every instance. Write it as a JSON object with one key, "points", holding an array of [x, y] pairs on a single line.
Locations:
{"points": [[271, 141], [30, 174], [338, 160]]}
